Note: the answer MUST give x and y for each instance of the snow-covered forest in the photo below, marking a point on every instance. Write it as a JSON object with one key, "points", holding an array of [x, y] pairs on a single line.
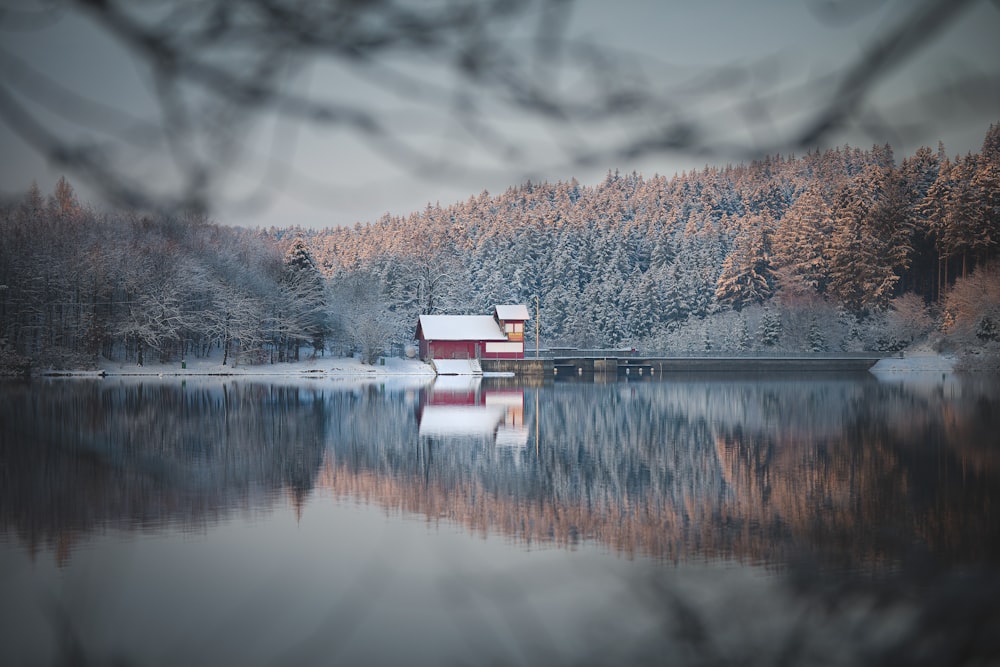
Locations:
{"points": [[840, 249], [835, 250]]}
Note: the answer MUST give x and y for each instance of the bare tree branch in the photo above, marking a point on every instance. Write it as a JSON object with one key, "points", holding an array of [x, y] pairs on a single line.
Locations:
{"points": [[219, 68]]}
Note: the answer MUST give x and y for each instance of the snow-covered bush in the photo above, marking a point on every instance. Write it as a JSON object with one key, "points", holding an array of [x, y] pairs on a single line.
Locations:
{"points": [[972, 318], [909, 319], [11, 363]]}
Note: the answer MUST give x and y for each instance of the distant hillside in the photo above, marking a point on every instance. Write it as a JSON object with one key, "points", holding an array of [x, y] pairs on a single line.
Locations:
{"points": [[839, 250], [838, 234]]}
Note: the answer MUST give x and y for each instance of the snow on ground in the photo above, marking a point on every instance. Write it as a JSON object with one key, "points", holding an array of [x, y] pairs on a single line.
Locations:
{"points": [[913, 361], [921, 370], [458, 367], [916, 361], [307, 368]]}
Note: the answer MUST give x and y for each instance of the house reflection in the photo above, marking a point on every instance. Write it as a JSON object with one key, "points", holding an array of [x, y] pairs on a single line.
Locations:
{"points": [[461, 408]]}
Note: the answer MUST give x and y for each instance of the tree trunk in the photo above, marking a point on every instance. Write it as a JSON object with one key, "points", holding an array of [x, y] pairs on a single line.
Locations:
{"points": [[225, 341]]}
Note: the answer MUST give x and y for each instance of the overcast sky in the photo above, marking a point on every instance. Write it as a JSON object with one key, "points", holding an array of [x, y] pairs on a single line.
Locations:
{"points": [[331, 176]]}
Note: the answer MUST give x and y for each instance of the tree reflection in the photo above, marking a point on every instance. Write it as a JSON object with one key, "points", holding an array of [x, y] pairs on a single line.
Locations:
{"points": [[846, 473], [81, 456]]}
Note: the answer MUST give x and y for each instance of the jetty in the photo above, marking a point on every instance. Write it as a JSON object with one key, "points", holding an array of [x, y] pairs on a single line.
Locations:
{"points": [[567, 363]]}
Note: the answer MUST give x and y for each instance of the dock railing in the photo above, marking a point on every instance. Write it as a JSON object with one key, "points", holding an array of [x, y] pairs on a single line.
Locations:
{"points": [[624, 353]]}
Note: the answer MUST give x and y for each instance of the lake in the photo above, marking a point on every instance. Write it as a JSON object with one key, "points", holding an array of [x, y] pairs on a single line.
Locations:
{"points": [[692, 520]]}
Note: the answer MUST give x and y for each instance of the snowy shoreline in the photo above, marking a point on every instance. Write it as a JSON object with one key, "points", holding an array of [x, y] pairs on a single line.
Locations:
{"points": [[346, 367], [916, 362], [321, 367]]}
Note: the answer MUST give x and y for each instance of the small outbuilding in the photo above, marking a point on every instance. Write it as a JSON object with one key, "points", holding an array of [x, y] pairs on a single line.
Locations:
{"points": [[496, 336]]}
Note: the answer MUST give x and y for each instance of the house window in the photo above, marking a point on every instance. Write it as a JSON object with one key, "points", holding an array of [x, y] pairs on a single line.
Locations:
{"points": [[514, 330]]}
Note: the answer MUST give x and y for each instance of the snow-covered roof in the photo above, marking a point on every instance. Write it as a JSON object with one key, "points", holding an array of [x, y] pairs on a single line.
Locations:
{"points": [[460, 327], [513, 312]]}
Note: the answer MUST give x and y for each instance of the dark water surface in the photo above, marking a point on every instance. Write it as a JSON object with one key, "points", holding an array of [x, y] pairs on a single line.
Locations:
{"points": [[693, 521]]}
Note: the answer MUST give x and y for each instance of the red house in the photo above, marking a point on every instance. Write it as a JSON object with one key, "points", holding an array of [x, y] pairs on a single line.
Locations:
{"points": [[496, 336]]}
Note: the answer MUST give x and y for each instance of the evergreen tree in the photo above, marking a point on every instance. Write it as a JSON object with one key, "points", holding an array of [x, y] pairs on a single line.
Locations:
{"points": [[802, 239], [306, 317], [747, 276], [986, 183], [817, 342], [769, 332], [958, 227], [743, 340], [871, 242], [919, 173], [64, 203]]}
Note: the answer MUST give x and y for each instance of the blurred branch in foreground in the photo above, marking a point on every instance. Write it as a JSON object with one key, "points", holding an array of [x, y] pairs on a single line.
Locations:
{"points": [[218, 70]]}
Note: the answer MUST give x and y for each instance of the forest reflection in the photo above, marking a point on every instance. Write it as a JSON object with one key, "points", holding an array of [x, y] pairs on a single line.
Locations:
{"points": [[848, 473]]}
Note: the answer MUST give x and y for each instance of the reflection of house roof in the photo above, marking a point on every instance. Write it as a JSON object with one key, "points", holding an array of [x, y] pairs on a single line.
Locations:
{"points": [[512, 436], [508, 398], [460, 327], [459, 385], [440, 420], [513, 312]]}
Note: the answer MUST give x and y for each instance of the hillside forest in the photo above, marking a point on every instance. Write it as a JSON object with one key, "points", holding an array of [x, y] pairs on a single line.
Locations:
{"points": [[840, 249]]}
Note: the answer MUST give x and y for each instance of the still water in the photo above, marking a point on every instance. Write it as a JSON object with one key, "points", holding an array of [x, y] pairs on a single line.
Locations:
{"points": [[694, 520]]}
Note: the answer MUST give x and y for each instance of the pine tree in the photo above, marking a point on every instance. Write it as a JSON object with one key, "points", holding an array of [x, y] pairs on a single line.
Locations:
{"points": [[919, 173], [817, 342], [769, 331], [871, 244], [64, 203], [747, 276], [642, 304], [986, 182], [33, 202], [743, 340], [957, 228], [801, 241], [306, 316]]}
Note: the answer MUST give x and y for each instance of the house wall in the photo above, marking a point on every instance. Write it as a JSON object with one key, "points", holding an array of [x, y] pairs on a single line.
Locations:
{"points": [[470, 349], [501, 350], [448, 349]]}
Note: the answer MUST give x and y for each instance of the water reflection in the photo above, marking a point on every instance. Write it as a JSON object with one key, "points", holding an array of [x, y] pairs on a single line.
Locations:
{"points": [[842, 520], [461, 408], [850, 473], [83, 456]]}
